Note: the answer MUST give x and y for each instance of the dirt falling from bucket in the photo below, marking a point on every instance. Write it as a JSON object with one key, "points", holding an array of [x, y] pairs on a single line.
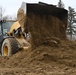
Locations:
{"points": [[43, 27], [21, 17]]}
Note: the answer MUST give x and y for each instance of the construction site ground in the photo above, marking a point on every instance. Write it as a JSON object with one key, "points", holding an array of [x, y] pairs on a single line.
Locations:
{"points": [[43, 60]]}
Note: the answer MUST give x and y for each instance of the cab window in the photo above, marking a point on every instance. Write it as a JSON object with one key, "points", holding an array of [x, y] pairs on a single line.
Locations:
{"points": [[0, 31]]}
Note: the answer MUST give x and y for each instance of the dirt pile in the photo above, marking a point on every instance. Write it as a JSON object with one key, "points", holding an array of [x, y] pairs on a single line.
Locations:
{"points": [[44, 60], [65, 54]]}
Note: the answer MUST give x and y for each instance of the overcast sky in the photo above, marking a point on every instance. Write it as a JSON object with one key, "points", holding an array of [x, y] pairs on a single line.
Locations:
{"points": [[11, 6]]}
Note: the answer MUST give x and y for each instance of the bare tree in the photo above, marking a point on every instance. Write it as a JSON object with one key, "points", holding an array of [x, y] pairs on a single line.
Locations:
{"points": [[2, 11], [7, 17]]}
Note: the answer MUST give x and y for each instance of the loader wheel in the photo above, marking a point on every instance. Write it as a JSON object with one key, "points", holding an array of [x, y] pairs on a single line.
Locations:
{"points": [[9, 47]]}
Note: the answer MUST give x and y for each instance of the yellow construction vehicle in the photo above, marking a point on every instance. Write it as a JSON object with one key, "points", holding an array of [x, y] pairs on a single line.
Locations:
{"points": [[13, 37]]}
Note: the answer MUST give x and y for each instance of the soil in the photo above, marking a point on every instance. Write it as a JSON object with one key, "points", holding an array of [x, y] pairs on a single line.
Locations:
{"points": [[44, 60], [51, 53]]}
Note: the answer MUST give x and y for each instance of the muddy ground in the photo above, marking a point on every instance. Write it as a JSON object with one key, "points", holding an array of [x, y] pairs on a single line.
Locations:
{"points": [[44, 60]]}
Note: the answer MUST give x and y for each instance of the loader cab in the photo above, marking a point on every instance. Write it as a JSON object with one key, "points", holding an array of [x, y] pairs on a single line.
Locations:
{"points": [[4, 28], [1, 36]]}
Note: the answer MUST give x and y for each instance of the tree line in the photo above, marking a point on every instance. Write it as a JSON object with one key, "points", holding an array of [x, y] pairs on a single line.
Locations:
{"points": [[6, 17]]}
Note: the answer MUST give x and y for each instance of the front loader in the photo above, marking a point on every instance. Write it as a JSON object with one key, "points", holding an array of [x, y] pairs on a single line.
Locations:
{"points": [[12, 39], [18, 35]]}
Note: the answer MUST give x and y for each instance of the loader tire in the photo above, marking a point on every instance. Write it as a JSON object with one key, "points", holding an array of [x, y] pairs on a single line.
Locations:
{"points": [[9, 47]]}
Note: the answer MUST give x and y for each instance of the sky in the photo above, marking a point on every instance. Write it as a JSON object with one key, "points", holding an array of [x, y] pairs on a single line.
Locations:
{"points": [[11, 6]]}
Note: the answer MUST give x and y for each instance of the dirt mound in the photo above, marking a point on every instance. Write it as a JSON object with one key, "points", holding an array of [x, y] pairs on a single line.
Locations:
{"points": [[43, 60], [65, 54]]}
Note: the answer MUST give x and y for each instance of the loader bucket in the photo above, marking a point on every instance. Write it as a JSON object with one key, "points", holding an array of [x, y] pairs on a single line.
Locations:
{"points": [[44, 9], [40, 9], [43, 21]]}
